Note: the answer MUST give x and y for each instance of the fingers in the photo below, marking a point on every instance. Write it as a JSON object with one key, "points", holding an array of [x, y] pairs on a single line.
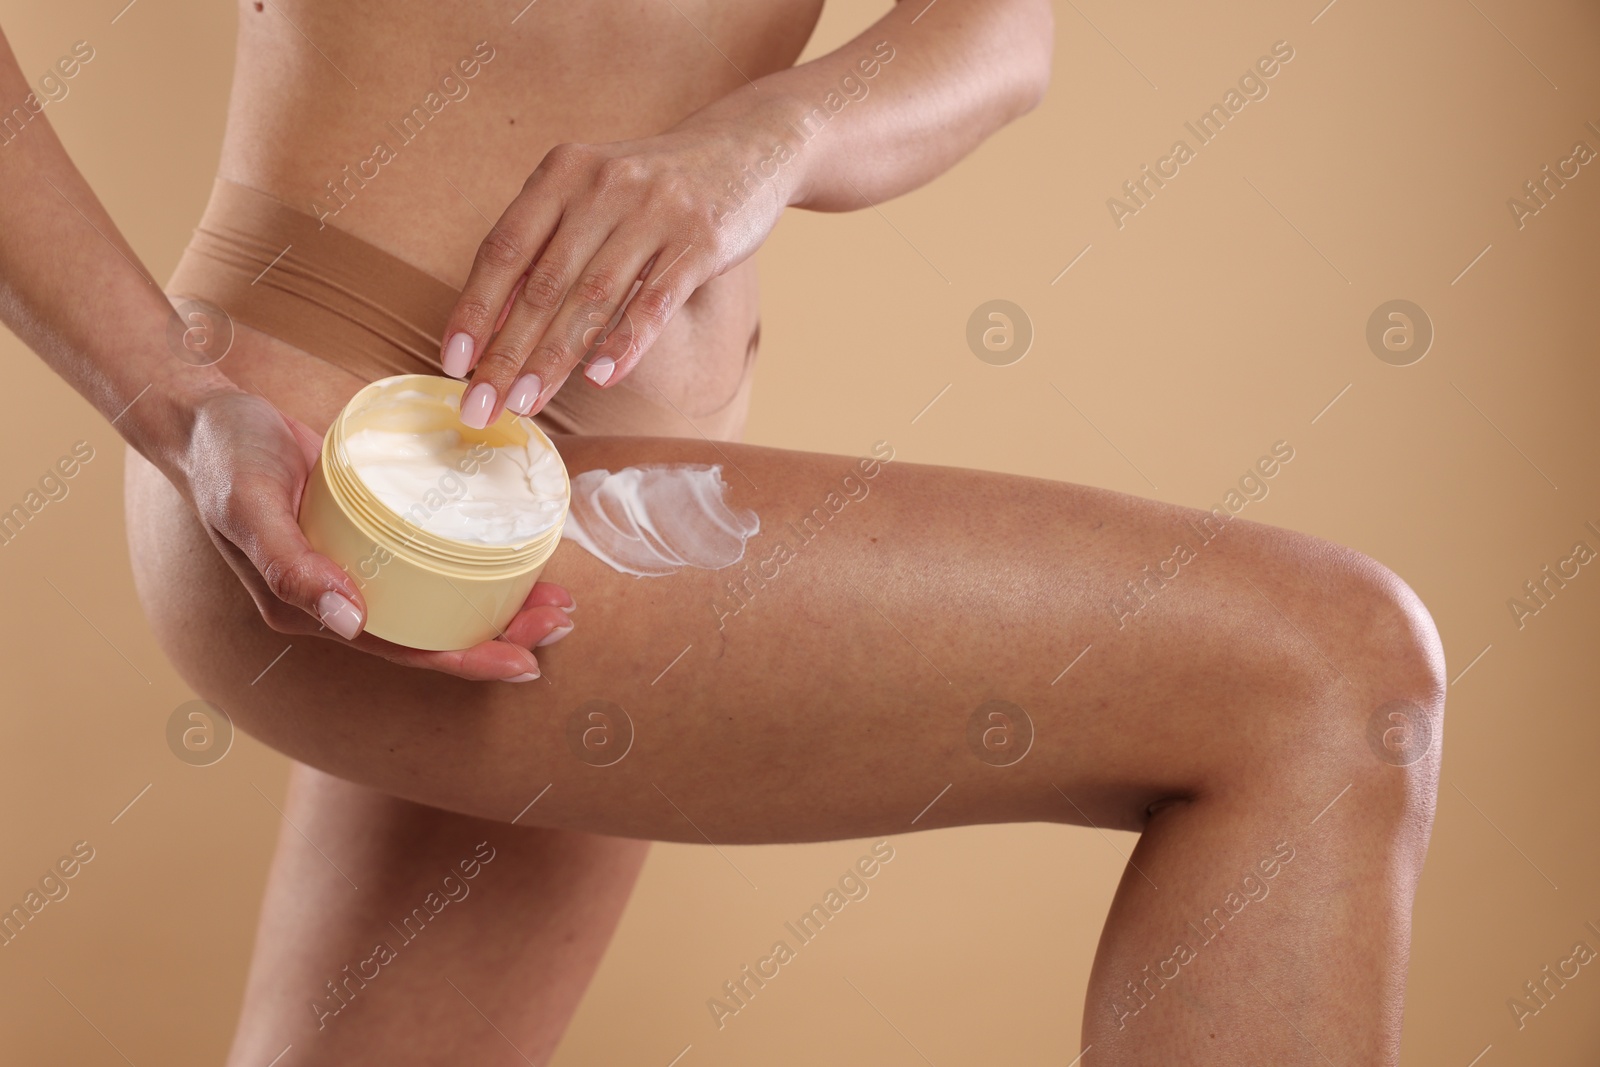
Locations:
{"points": [[534, 354], [564, 305], [510, 659], [552, 595], [671, 281], [538, 298], [497, 270], [489, 661], [339, 606], [310, 441], [544, 619], [539, 627], [538, 348]]}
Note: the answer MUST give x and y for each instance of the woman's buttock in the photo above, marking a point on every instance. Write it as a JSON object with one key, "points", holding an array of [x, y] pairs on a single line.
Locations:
{"points": [[205, 620]]}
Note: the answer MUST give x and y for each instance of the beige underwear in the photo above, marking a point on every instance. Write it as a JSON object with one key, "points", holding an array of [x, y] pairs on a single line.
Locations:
{"points": [[273, 268]]}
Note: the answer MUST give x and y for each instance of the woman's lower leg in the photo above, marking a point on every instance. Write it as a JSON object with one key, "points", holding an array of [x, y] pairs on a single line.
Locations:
{"points": [[1265, 916], [395, 933]]}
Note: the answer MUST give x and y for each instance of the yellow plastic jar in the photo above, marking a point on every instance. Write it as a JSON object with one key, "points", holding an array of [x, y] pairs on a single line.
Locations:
{"points": [[422, 590]]}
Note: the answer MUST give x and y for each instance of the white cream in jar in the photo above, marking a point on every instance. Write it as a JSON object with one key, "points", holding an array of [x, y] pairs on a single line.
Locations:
{"points": [[441, 481]]}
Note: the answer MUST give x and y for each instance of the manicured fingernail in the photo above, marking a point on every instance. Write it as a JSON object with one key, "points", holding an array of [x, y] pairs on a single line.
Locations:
{"points": [[530, 676], [554, 635], [599, 372], [570, 608], [339, 615], [524, 391], [458, 355], [477, 404]]}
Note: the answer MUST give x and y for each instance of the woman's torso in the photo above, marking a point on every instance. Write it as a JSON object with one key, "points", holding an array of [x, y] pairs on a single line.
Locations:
{"points": [[319, 87]]}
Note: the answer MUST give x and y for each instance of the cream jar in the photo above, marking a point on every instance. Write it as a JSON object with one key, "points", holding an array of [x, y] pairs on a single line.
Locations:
{"points": [[444, 528]]}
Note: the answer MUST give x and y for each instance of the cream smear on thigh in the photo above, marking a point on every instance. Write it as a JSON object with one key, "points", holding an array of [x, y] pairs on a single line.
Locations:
{"points": [[656, 520]]}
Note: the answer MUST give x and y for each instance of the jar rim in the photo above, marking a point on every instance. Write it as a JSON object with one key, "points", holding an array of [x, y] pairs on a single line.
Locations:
{"points": [[396, 533]]}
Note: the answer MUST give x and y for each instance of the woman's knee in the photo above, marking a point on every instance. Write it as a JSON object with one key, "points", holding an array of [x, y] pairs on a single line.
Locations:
{"points": [[1398, 713], [1391, 661], [1357, 665]]}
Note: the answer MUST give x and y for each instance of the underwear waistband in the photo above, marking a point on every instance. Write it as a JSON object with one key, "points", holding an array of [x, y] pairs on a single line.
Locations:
{"points": [[274, 268]]}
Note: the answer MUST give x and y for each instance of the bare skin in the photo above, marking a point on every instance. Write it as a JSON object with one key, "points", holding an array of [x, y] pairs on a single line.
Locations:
{"points": [[696, 355], [518, 942], [1227, 720], [1218, 721]]}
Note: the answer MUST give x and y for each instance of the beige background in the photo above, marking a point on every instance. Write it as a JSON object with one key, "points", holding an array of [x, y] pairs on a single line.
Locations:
{"points": [[1222, 318]]}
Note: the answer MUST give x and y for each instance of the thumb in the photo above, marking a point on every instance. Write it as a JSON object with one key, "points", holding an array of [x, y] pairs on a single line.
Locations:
{"points": [[309, 440], [263, 525]]}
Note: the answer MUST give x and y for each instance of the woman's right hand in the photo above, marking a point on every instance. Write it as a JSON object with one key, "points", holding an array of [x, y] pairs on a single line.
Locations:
{"points": [[244, 469]]}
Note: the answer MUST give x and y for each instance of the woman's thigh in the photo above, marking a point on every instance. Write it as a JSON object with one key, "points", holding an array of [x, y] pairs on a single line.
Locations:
{"points": [[834, 684]]}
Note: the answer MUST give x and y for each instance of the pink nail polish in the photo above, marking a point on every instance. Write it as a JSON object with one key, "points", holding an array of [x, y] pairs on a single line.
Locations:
{"points": [[599, 372], [458, 355], [477, 404], [524, 393], [553, 636], [339, 615]]}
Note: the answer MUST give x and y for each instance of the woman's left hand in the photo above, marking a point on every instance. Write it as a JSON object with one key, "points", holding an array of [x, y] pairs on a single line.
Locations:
{"points": [[670, 212]]}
